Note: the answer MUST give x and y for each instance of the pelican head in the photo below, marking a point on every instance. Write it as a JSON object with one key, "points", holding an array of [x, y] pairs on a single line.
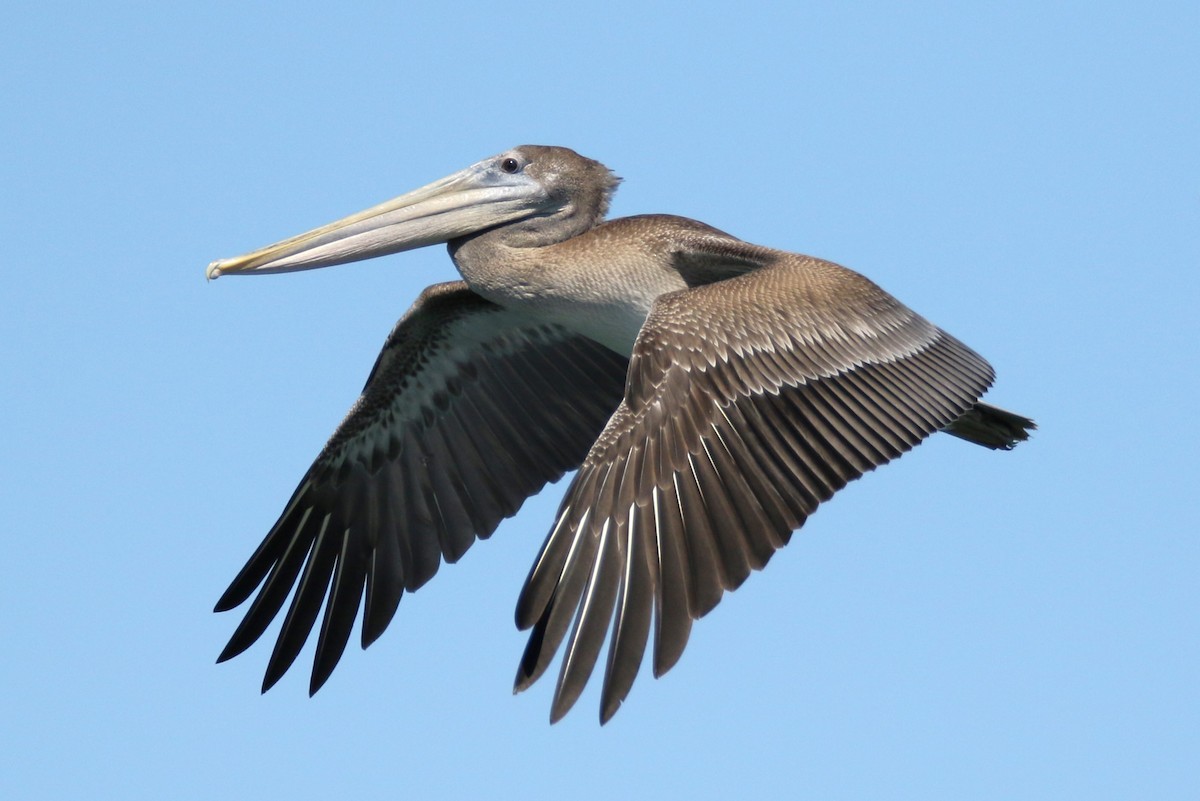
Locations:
{"points": [[531, 195]]}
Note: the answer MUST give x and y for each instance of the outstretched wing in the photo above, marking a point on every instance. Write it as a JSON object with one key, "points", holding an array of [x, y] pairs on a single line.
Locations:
{"points": [[749, 402], [470, 409]]}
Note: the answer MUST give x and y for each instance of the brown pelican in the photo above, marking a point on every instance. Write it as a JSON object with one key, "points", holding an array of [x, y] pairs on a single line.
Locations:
{"points": [[711, 392]]}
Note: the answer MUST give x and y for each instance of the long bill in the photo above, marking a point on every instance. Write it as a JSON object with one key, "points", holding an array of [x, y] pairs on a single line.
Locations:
{"points": [[466, 202]]}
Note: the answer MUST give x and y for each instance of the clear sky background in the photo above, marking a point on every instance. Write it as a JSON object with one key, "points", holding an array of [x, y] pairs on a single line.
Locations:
{"points": [[959, 625]]}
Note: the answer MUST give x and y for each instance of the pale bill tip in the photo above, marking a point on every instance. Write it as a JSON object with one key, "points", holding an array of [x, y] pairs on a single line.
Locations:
{"points": [[214, 269]]}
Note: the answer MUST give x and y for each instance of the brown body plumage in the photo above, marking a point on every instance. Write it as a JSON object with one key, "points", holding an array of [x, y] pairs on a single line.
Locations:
{"points": [[712, 392]]}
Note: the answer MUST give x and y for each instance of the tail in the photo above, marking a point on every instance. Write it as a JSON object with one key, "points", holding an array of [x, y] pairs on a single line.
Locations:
{"points": [[991, 427]]}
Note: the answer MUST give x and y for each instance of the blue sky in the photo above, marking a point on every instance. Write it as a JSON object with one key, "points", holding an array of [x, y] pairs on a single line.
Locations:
{"points": [[960, 624]]}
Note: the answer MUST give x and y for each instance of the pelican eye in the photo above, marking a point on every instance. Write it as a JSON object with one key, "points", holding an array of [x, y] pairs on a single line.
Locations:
{"points": [[510, 165]]}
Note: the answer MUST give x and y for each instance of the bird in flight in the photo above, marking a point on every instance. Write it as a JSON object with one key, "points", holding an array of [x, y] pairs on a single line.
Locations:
{"points": [[710, 392]]}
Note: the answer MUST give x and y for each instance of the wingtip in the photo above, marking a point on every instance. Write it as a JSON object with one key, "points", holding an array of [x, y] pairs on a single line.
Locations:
{"points": [[271, 677], [565, 697], [524, 680], [226, 602], [316, 682], [376, 618], [608, 709], [368, 637], [235, 646], [557, 712]]}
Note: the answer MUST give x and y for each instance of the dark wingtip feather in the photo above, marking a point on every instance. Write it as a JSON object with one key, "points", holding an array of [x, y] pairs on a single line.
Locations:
{"points": [[273, 674], [527, 670], [559, 711], [328, 656], [609, 708], [317, 680], [229, 651], [269, 553], [330, 647], [377, 617], [243, 637], [246, 582], [341, 610], [229, 600]]}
